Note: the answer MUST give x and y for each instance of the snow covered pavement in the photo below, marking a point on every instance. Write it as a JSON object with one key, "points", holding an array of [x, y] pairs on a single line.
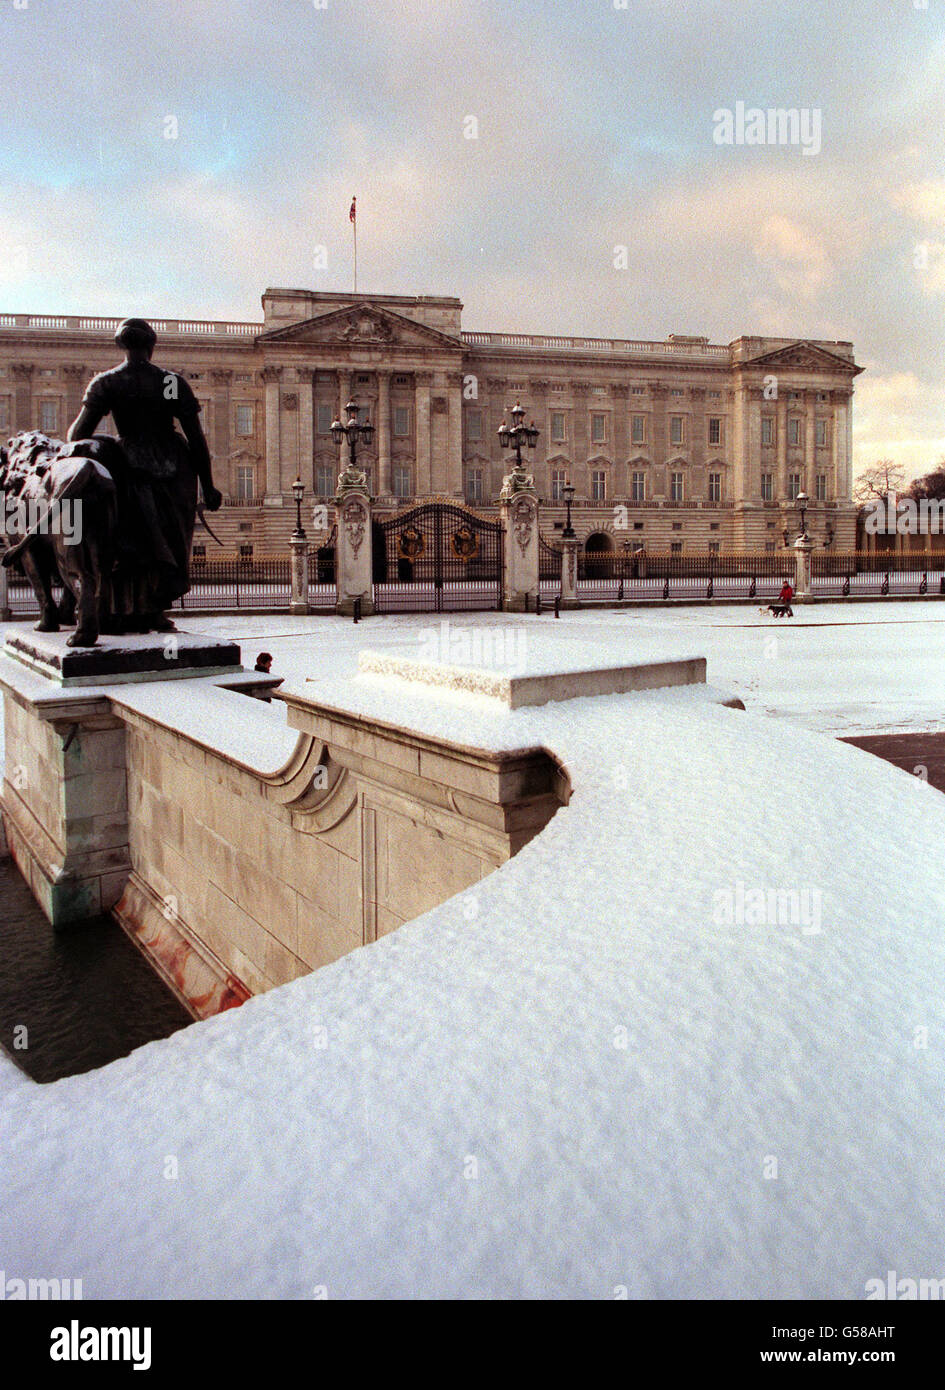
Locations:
{"points": [[687, 1043]]}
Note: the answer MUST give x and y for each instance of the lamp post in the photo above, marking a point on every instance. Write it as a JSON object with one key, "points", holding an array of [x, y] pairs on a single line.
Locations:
{"points": [[568, 534], [298, 598], [352, 431], [298, 492], [802, 500], [518, 435]]}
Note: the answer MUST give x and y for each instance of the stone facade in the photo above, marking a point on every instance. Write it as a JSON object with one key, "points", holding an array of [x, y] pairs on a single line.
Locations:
{"points": [[681, 444]]}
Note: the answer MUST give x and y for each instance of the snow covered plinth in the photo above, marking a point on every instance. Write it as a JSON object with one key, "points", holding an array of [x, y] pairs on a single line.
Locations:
{"points": [[116, 660], [518, 688]]}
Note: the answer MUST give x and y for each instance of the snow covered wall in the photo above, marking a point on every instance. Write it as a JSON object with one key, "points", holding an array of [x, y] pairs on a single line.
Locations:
{"points": [[688, 1042]]}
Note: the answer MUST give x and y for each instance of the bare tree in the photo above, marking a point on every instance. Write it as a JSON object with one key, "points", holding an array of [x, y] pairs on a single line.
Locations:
{"points": [[879, 480]]}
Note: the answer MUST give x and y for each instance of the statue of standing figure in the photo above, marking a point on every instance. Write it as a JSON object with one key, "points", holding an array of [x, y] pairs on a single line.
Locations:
{"points": [[156, 472]]}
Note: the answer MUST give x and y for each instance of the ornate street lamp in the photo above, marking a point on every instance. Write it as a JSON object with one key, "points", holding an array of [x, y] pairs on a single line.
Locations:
{"points": [[802, 500], [298, 492], [352, 431], [518, 435], [567, 492]]}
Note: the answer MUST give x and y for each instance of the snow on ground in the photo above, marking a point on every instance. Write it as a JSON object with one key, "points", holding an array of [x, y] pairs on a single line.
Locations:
{"points": [[596, 1070]]}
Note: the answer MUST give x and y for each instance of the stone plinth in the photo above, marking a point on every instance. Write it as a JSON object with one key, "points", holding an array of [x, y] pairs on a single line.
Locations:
{"points": [[516, 690], [116, 660]]}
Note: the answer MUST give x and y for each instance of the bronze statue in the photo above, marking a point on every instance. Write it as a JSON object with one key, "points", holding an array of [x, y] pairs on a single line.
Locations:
{"points": [[62, 516], [157, 477]]}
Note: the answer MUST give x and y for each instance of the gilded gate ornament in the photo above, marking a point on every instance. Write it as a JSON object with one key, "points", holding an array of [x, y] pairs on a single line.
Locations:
{"points": [[464, 542]]}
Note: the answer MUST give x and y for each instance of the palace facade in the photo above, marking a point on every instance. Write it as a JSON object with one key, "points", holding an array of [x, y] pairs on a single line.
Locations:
{"points": [[682, 445]]}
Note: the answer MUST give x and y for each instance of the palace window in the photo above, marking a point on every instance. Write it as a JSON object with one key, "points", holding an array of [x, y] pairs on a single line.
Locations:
{"points": [[402, 481], [714, 547], [324, 418], [246, 551], [675, 547], [820, 487], [598, 429], [4, 413], [401, 379], [715, 429], [558, 479], [677, 525], [715, 487], [242, 376], [793, 486], [245, 483], [363, 414], [769, 547], [324, 480], [713, 525], [638, 429], [676, 487], [325, 378], [598, 486], [638, 391], [473, 424], [401, 421], [767, 487], [558, 429], [49, 416], [821, 433], [714, 395], [767, 429], [199, 554], [473, 484], [638, 526], [362, 379], [794, 435], [676, 391], [638, 487], [675, 429], [244, 420]]}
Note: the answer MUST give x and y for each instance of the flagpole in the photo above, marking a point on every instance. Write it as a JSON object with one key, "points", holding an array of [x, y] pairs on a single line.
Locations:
{"points": [[355, 225]]}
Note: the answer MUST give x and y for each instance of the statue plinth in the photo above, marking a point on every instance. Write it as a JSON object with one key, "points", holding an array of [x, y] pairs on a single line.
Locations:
{"points": [[118, 660]]}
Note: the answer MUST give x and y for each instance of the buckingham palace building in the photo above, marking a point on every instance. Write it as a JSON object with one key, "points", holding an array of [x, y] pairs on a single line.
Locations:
{"points": [[681, 446]]}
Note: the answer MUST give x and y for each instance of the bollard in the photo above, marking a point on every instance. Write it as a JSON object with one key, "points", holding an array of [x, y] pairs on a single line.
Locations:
{"points": [[538, 605], [557, 605], [752, 588], [620, 592], [846, 586], [710, 590], [666, 588], [924, 585], [356, 609], [884, 587]]}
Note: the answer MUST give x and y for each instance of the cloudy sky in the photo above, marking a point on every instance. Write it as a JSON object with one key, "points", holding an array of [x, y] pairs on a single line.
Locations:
{"points": [[175, 157]]}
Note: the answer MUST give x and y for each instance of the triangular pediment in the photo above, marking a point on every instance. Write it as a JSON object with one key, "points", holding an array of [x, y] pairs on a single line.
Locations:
{"points": [[361, 325], [806, 356]]}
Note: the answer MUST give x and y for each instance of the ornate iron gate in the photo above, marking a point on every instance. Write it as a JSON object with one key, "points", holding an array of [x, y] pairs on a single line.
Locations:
{"points": [[435, 557]]}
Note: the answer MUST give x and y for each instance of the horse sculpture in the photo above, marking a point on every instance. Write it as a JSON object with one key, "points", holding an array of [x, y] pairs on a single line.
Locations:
{"points": [[61, 519]]}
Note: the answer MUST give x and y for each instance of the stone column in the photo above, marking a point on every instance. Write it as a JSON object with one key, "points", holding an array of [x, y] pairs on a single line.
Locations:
{"points": [[222, 425], [6, 612], [454, 451], [810, 398], [23, 397], [424, 381], [272, 376], [77, 377], [518, 509], [353, 545], [781, 427], [289, 468], [385, 476], [620, 395], [298, 603], [659, 397], [569, 573], [803, 547], [307, 426]]}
